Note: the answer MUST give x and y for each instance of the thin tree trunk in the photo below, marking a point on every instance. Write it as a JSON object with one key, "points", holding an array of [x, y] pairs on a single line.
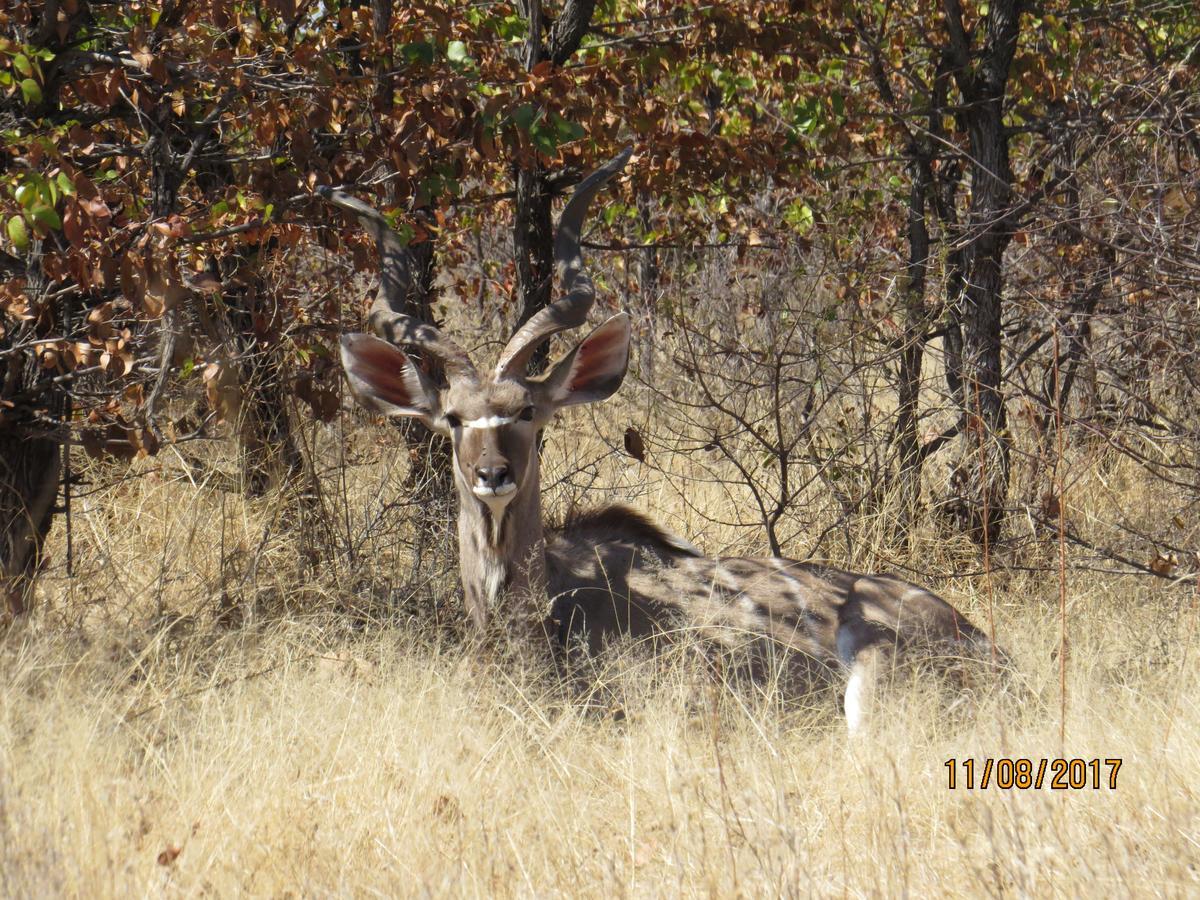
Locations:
{"points": [[430, 475], [429, 481], [31, 447], [30, 462], [983, 83], [533, 244], [648, 287], [533, 230], [268, 445], [908, 445], [30, 468]]}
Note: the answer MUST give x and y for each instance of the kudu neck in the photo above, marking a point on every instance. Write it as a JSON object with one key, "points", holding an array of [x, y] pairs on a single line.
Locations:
{"points": [[502, 555]]}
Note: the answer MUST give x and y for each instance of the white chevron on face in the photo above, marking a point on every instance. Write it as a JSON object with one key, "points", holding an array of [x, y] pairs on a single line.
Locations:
{"points": [[490, 422]]}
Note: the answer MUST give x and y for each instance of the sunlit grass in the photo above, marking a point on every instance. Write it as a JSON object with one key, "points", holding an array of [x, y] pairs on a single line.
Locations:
{"points": [[332, 739]]}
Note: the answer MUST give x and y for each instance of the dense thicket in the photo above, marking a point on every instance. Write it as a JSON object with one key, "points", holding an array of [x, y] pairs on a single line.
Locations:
{"points": [[972, 231]]}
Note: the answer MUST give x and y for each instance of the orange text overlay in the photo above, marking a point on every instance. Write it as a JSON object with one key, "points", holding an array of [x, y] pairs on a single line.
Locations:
{"points": [[1026, 774]]}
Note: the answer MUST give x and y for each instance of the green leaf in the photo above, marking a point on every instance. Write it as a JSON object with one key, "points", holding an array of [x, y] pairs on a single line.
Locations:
{"points": [[22, 64], [523, 116], [456, 51], [31, 91], [189, 366], [610, 212], [403, 230], [18, 233], [419, 52], [567, 131], [26, 193], [65, 184], [800, 216], [46, 217]]}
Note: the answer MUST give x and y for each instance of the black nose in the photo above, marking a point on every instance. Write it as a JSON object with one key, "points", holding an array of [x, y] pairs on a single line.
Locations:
{"points": [[491, 476]]}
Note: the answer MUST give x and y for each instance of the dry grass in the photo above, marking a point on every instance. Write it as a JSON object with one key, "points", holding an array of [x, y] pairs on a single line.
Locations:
{"points": [[325, 745]]}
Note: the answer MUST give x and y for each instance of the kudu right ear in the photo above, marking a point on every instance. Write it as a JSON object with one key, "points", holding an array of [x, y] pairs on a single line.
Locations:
{"points": [[383, 378], [594, 369]]}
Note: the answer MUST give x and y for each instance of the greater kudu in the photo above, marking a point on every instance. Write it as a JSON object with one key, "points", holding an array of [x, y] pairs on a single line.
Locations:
{"points": [[611, 572]]}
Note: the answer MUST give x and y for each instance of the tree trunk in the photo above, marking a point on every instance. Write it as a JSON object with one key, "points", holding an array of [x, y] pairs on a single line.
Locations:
{"points": [[430, 475], [648, 273], [909, 458], [984, 465], [30, 446], [533, 245], [30, 469], [264, 429], [533, 229], [30, 463]]}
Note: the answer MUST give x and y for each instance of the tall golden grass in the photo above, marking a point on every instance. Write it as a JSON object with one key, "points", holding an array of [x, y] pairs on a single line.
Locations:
{"points": [[198, 709]]}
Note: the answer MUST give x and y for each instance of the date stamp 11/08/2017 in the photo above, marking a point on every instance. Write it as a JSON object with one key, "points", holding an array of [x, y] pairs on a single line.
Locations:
{"points": [[1033, 774]]}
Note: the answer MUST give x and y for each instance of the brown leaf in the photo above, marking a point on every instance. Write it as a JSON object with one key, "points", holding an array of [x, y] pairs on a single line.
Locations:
{"points": [[72, 226], [143, 441], [132, 280], [164, 291], [1164, 564], [446, 807], [95, 207], [169, 855], [222, 390], [322, 398], [634, 445], [101, 314], [205, 282]]}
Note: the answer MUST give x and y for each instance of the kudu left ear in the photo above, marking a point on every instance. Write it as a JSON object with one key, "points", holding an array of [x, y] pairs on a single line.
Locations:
{"points": [[382, 377], [594, 369]]}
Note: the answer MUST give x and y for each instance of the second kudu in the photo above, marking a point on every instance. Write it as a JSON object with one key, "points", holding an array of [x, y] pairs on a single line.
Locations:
{"points": [[611, 572]]}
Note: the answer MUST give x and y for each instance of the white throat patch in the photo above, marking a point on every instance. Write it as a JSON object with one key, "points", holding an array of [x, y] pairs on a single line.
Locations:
{"points": [[494, 577], [497, 500]]}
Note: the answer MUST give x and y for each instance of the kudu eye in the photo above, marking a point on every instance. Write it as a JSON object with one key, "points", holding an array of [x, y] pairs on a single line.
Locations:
{"points": [[453, 421], [527, 414]]}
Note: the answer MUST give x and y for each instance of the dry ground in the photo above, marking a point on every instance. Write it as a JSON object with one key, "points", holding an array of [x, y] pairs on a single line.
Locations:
{"points": [[327, 738]]}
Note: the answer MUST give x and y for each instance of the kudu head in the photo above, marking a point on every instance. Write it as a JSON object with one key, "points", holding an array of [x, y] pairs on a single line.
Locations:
{"points": [[491, 417]]}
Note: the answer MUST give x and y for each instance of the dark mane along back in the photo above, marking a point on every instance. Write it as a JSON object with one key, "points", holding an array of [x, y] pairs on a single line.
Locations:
{"points": [[621, 524]]}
